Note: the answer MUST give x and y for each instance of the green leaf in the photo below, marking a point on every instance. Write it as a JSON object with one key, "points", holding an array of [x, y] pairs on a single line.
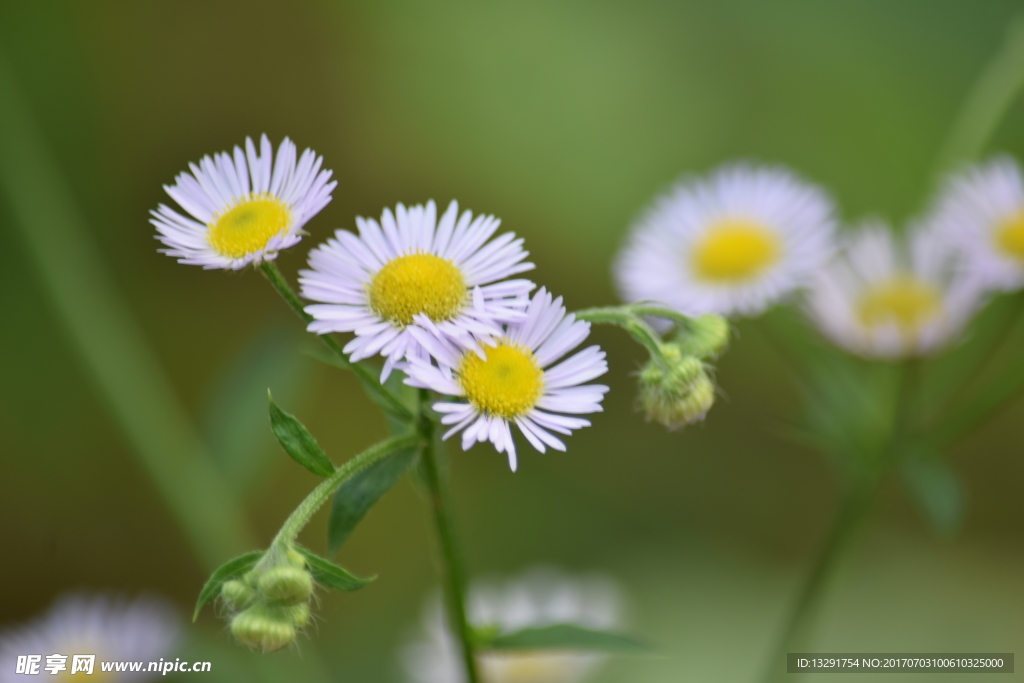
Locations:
{"points": [[937, 490], [330, 574], [227, 571], [356, 496], [296, 440], [562, 637]]}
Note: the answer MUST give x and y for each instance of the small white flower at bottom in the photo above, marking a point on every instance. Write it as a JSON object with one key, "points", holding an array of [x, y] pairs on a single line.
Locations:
{"points": [[540, 597], [514, 381], [111, 628], [882, 298], [981, 213], [243, 207]]}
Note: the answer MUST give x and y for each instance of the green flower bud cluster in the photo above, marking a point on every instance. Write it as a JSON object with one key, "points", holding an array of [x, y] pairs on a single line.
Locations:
{"points": [[679, 394], [270, 605]]}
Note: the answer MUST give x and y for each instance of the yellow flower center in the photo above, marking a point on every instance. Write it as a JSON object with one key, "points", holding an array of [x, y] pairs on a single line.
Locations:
{"points": [[507, 383], [904, 300], [246, 228], [418, 283], [735, 249], [1010, 235], [527, 667]]}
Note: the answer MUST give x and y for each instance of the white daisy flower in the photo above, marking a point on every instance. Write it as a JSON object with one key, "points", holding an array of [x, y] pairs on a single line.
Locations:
{"points": [[981, 212], [244, 207], [541, 597], [731, 244], [883, 298], [411, 273], [112, 629], [513, 381]]}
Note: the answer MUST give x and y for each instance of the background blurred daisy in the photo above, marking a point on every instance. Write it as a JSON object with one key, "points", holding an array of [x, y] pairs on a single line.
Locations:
{"points": [[112, 628], [540, 597], [244, 207], [732, 244], [513, 381], [886, 298], [981, 211], [413, 273]]}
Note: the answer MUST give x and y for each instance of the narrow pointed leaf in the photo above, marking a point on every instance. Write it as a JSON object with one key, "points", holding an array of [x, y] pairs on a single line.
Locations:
{"points": [[566, 637], [297, 442], [331, 575], [229, 570], [357, 495]]}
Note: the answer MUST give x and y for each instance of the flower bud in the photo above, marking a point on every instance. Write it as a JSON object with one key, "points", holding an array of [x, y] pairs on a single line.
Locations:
{"points": [[236, 594], [295, 558], [264, 628], [298, 614], [706, 338], [286, 585], [678, 395]]}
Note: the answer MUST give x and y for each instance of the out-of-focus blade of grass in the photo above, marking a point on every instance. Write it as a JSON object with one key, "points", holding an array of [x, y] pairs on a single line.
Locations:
{"points": [[235, 417], [986, 104], [104, 334]]}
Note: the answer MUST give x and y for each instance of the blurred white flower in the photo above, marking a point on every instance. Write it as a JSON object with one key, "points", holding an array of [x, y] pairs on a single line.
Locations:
{"points": [[112, 628], [981, 212], [540, 597], [885, 298], [513, 381], [412, 272], [244, 207], [733, 243]]}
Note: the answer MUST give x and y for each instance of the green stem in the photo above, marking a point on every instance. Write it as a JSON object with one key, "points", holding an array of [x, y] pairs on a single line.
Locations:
{"points": [[455, 580], [1002, 390], [950, 423], [850, 519], [844, 529], [323, 492], [624, 317], [103, 332], [368, 378], [987, 103], [988, 345]]}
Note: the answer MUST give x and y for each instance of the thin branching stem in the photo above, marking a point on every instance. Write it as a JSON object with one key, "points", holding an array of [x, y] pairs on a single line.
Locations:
{"points": [[454, 576], [848, 522], [368, 378], [321, 494]]}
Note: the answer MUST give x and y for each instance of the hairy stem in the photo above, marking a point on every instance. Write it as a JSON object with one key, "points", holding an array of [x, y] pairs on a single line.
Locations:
{"points": [[367, 377], [323, 492], [455, 579], [627, 319]]}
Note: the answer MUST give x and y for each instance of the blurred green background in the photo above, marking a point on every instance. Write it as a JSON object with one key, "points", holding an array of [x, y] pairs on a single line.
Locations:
{"points": [[563, 119]]}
